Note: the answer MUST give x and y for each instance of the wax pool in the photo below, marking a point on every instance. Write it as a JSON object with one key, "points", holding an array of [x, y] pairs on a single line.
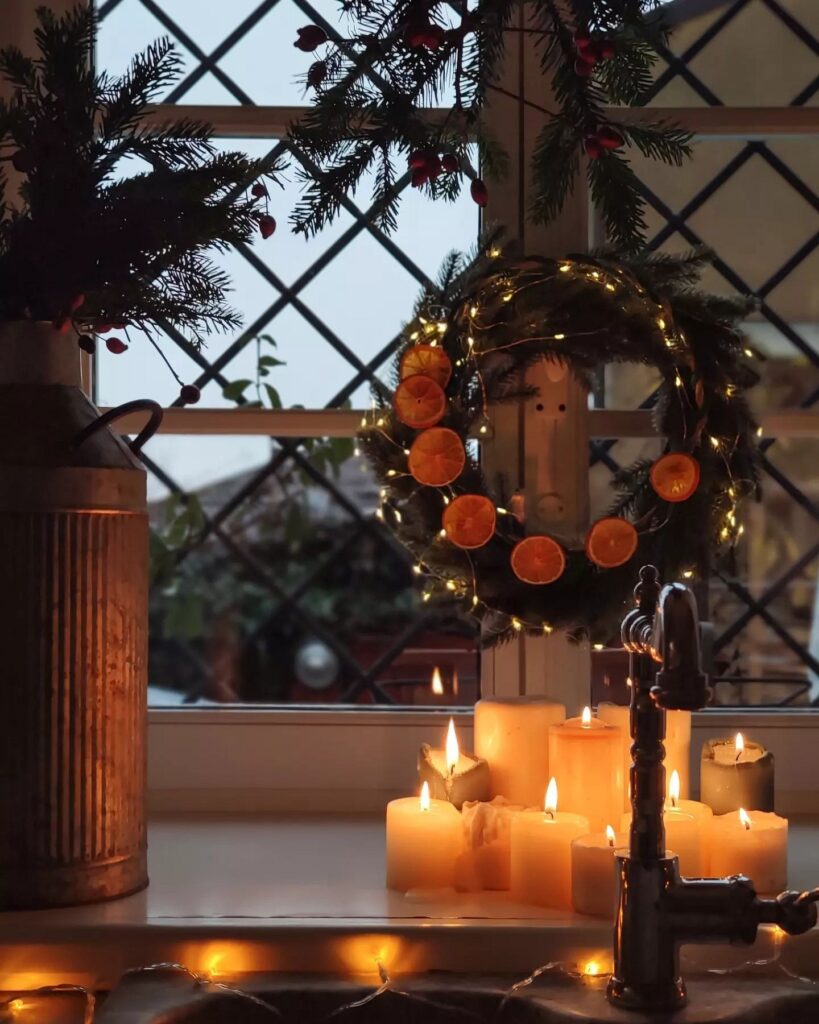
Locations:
{"points": [[585, 756], [424, 839], [512, 736], [594, 873], [731, 777], [753, 844]]}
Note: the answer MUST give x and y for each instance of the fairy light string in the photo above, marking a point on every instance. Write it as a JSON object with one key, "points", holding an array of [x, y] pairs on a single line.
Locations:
{"points": [[491, 326]]}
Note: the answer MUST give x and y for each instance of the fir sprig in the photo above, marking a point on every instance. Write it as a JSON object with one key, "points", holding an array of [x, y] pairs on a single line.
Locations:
{"points": [[135, 249], [367, 111]]}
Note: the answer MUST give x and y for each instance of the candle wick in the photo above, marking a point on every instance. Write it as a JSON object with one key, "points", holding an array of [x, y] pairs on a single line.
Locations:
{"points": [[747, 826], [739, 755], [550, 814]]}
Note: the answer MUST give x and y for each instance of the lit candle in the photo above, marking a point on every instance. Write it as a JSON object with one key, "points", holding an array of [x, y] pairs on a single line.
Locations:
{"points": [[485, 860], [452, 775], [541, 853], [752, 843], [434, 693], [594, 872], [701, 813], [687, 830], [512, 736], [736, 773], [585, 756], [424, 839], [677, 743]]}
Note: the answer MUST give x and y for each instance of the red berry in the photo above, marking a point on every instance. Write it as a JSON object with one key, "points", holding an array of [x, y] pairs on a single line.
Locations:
{"points": [[609, 138], [606, 49], [415, 35], [77, 302], [434, 166], [480, 193], [61, 324], [592, 146], [583, 42], [116, 345], [189, 394], [433, 37], [420, 176], [582, 68], [87, 344], [449, 162], [118, 326], [310, 37], [258, 190], [267, 225], [103, 329], [418, 159], [316, 73]]}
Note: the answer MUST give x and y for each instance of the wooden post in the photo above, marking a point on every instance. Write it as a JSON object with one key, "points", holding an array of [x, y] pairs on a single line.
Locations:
{"points": [[545, 439]]}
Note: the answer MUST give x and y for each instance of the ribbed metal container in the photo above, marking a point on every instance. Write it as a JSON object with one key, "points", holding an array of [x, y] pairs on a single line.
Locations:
{"points": [[73, 636]]}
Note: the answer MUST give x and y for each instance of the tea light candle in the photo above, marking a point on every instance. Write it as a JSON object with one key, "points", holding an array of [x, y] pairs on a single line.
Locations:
{"points": [[677, 743], [752, 843], [585, 756], [512, 736], [541, 853], [735, 773], [424, 838], [594, 872], [451, 775]]}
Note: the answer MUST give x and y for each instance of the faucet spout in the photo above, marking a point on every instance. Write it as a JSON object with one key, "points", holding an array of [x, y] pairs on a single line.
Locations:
{"points": [[681, 684]]}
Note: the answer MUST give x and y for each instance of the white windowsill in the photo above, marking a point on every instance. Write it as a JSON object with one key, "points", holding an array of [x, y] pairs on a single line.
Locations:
{"points": [[263, 760], [306, 894]]}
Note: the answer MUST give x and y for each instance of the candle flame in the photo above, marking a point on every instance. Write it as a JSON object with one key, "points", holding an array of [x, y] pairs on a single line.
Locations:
{"points": [[674, 787], [550, 803], [592, 968], [585, 718], [740, 744], [425, 797], [610, 835], [437, 685], [745, 818], [452, 752]]}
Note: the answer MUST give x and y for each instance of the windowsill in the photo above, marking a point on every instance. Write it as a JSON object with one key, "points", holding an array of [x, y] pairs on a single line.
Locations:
{"points": [[306, 894]]}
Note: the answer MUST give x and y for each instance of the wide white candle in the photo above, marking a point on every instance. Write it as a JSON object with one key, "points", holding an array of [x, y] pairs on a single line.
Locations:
{"points": [[701, 813], [677, 744], [752, 843], [585, 756], [541, 853], [594, 872], [737, 773], [424, 839], [512, 736]]}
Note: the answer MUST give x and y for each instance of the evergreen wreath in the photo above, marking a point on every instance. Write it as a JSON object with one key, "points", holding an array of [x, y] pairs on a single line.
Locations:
{"points": [[465, 351]]}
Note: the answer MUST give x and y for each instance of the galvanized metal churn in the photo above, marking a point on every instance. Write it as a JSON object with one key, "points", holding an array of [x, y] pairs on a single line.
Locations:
{"points": [[73, 632]]}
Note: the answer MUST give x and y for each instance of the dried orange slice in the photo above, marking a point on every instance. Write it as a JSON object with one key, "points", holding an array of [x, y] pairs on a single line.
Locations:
{"points": [[538, 560], [469, 521], [419, 402], [611, 542], [427, 360], [437, 457], [675, 476]]}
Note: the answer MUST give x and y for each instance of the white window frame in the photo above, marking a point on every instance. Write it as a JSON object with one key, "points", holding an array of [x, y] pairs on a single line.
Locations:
{"points": [[335, 759]]}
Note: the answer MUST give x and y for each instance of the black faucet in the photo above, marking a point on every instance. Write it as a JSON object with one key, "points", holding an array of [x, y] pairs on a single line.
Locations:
{"points": [[658, 911]]}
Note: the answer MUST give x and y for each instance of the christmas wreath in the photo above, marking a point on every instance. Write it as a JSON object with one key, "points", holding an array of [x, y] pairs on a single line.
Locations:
{"points": [[465, 351]]}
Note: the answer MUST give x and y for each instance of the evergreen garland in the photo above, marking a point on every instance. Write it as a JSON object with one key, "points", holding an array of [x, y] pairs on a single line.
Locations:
{"points": [[368, 122], [494, 318], [84, 243]]}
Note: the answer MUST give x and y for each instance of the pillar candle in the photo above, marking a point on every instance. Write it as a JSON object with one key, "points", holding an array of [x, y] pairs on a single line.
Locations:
{"points": [[684, 837], [594, 873], [485, 860], [424, 838], [677, 744], [736, 773], [701, 813], [541, 854], [452, 775], [585, 756], [512, 736], [752, 843]]}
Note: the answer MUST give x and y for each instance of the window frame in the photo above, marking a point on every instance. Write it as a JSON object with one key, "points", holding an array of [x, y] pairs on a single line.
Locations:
{"points": [[293, 759]]}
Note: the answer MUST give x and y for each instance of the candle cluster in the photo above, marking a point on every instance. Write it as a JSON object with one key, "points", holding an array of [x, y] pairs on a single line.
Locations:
{"points": [[490, 820]]}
